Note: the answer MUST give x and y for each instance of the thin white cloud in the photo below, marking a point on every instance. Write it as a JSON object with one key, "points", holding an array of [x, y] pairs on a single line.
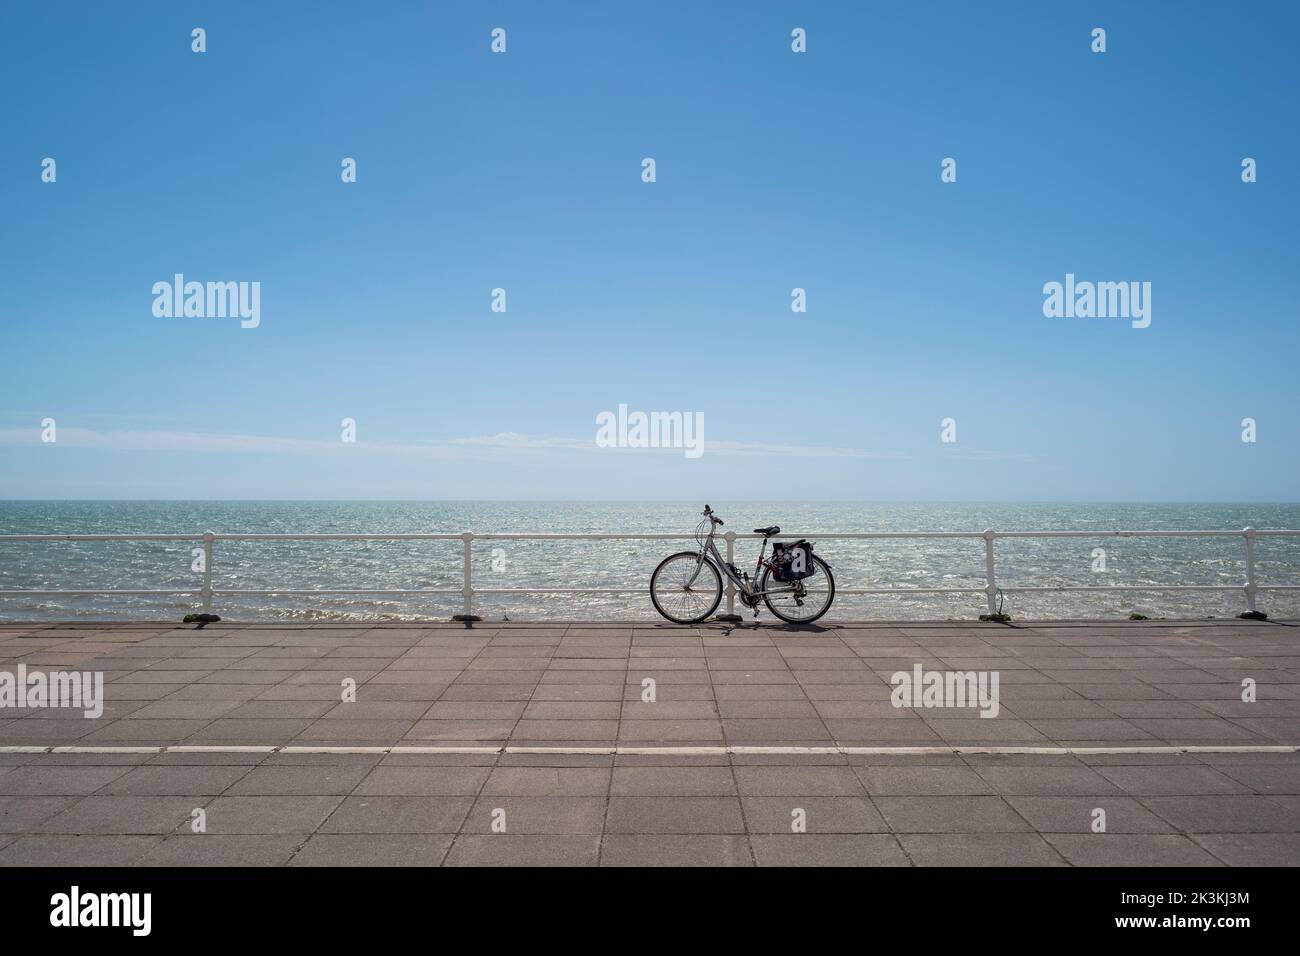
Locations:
{"points": [[798, 451], [992, 455], [226, 443], [516, 440], [209, 442]]}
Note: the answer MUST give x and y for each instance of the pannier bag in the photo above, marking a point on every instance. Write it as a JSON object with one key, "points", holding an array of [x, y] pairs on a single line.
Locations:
{"points": [[792, 562]]}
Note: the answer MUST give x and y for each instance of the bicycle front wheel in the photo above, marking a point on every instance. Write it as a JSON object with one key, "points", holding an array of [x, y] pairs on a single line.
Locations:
{"points": [[686, 589], [800, 602]]}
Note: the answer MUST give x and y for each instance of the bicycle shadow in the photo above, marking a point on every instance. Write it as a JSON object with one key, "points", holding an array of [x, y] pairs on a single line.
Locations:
{"points": [[728, 627]]}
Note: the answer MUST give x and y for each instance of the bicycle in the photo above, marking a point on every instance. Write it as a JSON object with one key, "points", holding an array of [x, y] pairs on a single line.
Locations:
{"points": [[686, 587]]}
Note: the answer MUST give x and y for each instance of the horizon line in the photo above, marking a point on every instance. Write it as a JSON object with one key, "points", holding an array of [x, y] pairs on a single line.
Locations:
{"points": [[882, 501]]}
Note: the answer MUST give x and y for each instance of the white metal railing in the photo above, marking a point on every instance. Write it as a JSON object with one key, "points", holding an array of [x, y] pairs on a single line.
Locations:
{"points": [[205, 592]]}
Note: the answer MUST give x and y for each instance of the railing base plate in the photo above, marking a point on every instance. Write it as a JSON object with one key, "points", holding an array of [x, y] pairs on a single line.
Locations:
{"points": [[466, 618], [1253, 616]]}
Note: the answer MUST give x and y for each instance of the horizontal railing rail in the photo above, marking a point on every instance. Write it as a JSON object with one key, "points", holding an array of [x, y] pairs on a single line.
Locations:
{"points": [[1249, 586]]}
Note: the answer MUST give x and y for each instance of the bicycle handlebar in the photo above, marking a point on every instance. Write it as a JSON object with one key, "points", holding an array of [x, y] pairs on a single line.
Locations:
{"points": [[708, 513]]}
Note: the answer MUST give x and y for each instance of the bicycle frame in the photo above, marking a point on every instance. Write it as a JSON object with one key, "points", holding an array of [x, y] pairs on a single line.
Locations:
{"points": [[748, 588]]}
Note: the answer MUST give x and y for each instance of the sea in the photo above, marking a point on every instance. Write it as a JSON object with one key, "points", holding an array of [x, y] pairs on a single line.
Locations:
{"points": [[901, 565]]}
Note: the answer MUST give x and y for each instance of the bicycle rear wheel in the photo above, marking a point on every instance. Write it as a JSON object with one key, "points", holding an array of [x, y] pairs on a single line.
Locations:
{"points": [[804, 601], [682, 595]]}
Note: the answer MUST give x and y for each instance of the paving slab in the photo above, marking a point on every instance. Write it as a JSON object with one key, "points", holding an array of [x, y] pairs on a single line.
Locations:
{"points": [[820, 849], [675, 815], [504, 849], [373, 849], [375, 814], [980, 849], [812, 814], [214, 849], [1115, 849], [501, 813], [76, 851]]}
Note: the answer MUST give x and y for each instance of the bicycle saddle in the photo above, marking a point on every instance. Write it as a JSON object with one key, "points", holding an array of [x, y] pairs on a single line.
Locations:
{"points": [[768, 532]]}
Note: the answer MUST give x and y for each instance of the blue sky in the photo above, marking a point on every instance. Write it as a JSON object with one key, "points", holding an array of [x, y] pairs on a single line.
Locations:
{"points": [[775, 170]]}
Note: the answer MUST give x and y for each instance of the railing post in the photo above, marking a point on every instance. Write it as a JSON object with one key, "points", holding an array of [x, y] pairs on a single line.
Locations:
{"points": [[731, 585], [990, 580], [1251, 613], [467, 614], [468, 588], [206, 592]]}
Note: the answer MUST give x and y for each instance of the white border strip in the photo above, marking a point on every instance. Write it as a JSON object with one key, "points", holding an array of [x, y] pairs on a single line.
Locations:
{"points": [[655, 751]]}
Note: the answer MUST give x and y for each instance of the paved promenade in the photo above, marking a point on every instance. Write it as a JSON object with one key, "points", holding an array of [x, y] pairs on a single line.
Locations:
{"points": [[520, 744]]}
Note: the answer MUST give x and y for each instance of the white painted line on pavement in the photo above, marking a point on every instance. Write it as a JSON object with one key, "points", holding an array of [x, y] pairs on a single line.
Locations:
{"points": [[652, 751]]}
